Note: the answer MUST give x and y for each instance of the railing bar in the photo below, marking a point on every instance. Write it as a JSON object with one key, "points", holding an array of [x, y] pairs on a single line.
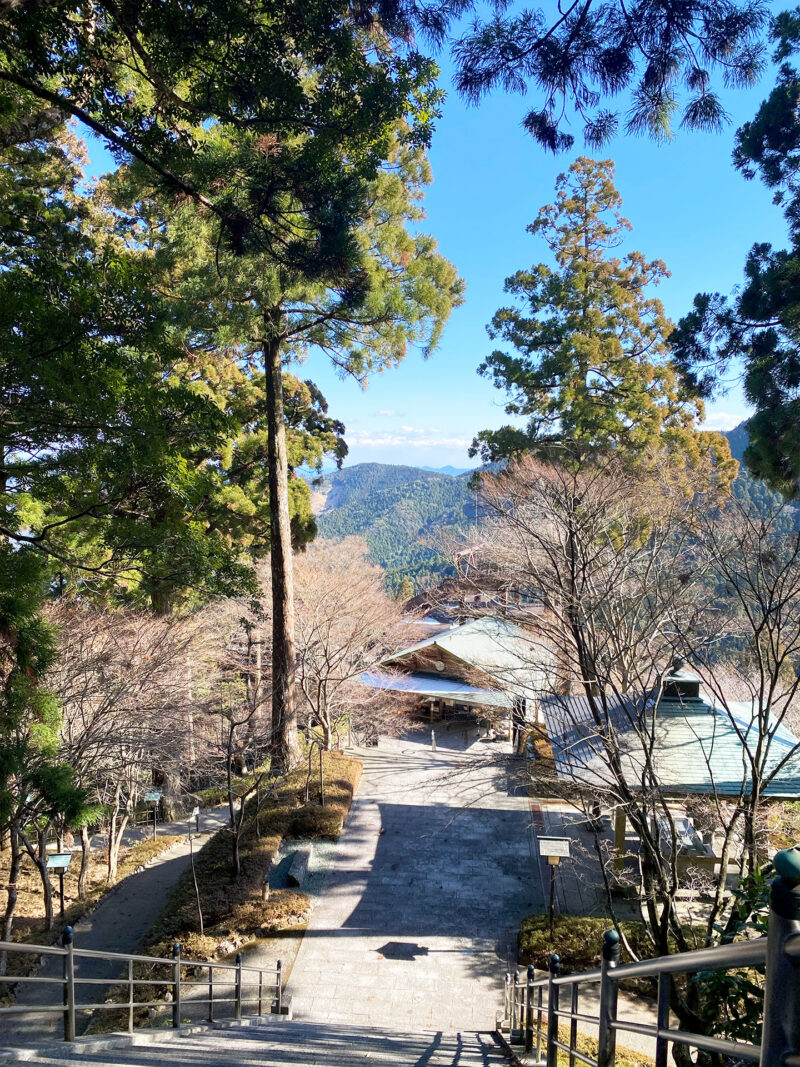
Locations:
{"points": [[577, 1015], [722, 957], [122, 1006], [30, 978], [574, 1052], [649, 1029], [575, 979], [713, 1044], [22, 1010], [96, 954], [34, 950]]}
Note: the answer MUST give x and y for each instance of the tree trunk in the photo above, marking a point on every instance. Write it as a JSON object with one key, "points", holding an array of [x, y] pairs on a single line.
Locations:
{"points": [[11, 891], [86, 851], [285, 745], [115, 831], [38, 854], [44, 874]]}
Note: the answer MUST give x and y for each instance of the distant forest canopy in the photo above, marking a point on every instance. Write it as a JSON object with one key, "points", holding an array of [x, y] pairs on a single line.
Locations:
{"points": [[403, 512]]}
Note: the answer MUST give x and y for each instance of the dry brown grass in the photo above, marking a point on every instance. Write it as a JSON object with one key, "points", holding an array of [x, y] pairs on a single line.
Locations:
{"points": [[233, 911]]}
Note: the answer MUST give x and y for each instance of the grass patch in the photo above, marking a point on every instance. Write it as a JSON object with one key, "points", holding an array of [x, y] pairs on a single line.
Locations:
{"points": [[578, 941], [589, 1047], [233, 911]]}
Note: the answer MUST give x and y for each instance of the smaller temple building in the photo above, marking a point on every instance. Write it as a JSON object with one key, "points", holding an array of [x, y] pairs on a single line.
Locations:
{"points": [[488, 668]]}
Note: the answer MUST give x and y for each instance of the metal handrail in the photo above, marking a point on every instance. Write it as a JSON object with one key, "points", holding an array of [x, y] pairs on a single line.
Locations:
{"points": [[534, 1020], [251, 985]]}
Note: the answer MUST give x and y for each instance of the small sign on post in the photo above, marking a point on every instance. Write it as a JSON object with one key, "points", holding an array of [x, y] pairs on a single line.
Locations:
{"points": [[196, 816], [553, 849], [153, 796]]}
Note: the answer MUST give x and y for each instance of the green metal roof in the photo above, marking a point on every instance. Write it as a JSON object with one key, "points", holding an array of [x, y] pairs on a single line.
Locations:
{"points": [[498, 648], [699, 747]]}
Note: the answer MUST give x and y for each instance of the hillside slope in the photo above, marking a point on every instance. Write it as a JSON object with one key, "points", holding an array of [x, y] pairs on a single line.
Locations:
{"points": [[401, 512]]}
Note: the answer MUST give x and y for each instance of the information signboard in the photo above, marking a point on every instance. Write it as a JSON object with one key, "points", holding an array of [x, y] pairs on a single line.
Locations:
{"points": [[558, 847]]}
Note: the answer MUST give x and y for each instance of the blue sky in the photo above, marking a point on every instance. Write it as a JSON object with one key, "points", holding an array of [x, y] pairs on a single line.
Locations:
{"points": [[687, 206]]}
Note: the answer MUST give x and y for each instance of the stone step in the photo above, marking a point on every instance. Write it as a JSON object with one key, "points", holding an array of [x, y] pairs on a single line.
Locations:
{"points": [[282, 1043]]}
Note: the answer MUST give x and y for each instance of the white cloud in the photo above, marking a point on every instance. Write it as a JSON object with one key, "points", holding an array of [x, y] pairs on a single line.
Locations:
{"points": [[723, 420], [388, 413], [411, 438]]}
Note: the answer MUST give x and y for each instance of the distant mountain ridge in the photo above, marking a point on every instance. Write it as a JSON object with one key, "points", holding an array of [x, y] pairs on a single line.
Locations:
{"points": [[399, 511], [452, 471], [402, 511]]}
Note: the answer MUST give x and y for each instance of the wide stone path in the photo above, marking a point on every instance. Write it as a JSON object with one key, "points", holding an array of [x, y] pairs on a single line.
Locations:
{"points": [[274, 1044], [433, 872]]}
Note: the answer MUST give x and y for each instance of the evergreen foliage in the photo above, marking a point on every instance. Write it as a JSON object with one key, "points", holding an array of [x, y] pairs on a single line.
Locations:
{"points": [[580, 55], [591, 367], [401, 513], [757, 327]]}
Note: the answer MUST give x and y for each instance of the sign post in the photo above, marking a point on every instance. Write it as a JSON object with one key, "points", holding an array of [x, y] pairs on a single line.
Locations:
{"points": [[153, 796], [553, 849], [58, 862]]}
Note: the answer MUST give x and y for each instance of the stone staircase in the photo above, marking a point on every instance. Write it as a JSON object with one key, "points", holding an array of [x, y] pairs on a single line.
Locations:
{"points": [[270, 1042]]}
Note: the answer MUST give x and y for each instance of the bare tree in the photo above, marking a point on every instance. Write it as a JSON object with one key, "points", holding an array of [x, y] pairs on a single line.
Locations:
{"points": [[621, 580], [750, 658], [345, 623], [127, 714]]}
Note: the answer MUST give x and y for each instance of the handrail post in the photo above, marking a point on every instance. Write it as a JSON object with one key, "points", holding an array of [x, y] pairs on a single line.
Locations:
{"points": [[539, 996], [176, 985], [573, 1025], [238, 992], [130, 996], [279, 989], [515, 1012], [552, 1009], [260, 989], [67, 939], [662, 1020], [507, 1000], [607, 1037], [529, 1009], [211, 992], [781, 1031]]}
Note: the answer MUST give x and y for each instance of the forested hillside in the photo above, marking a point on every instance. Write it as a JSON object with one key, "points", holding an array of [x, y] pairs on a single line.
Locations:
{"points": [[401, 512], [748, 488]]}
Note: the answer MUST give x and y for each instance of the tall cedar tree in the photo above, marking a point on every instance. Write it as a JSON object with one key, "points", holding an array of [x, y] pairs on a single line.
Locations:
{"points": [[273, 151], [388, 288], [759, 327], [591, 368], [111, 454]]}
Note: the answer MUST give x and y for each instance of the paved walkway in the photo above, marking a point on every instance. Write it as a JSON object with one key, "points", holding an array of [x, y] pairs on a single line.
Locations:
{"points": [[434, 870]]}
